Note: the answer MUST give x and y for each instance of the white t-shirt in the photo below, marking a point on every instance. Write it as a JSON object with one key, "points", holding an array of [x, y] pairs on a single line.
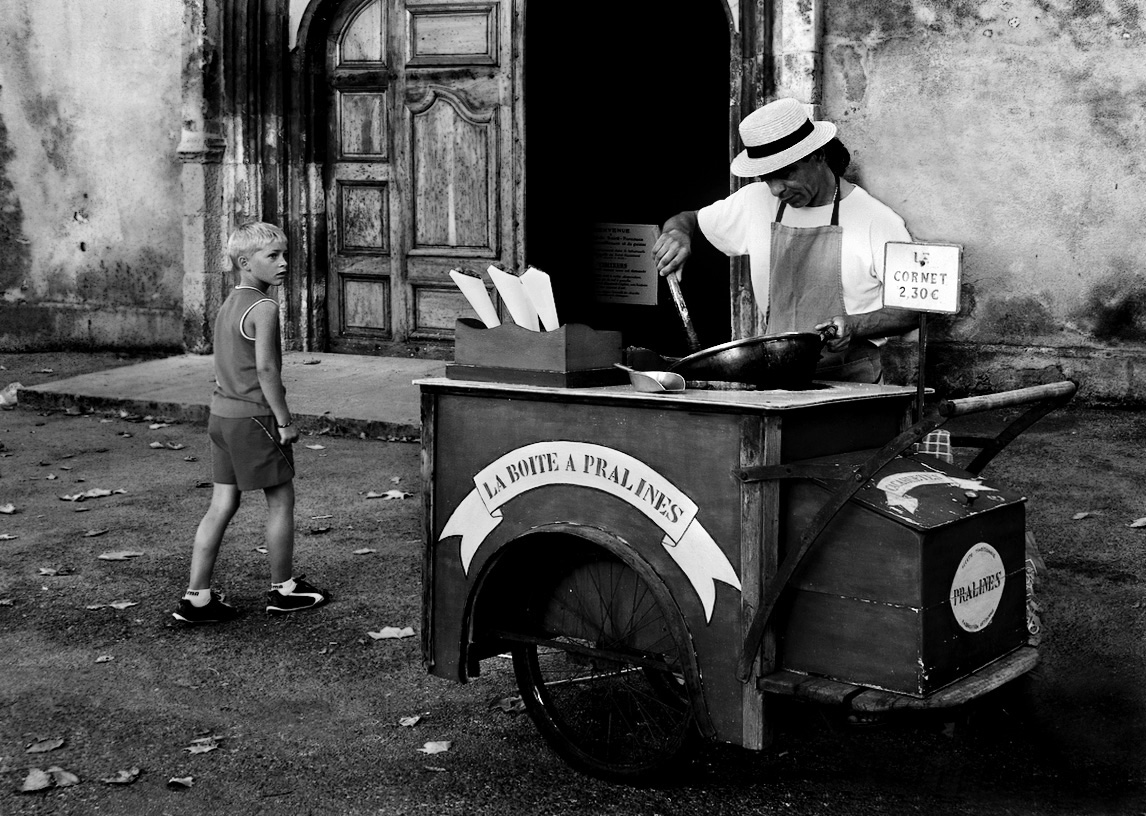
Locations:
{"points": [[741, 225]]}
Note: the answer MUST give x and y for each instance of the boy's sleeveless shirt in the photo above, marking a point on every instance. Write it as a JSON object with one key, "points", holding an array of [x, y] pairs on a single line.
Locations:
{"points": [[237, 391]]}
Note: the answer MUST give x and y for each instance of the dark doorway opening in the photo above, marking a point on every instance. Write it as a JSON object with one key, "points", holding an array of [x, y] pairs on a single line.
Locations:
{"points": [[626, 121]]}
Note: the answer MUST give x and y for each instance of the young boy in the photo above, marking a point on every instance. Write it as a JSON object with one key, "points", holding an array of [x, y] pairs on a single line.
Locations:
{"points": [[251, 431]]}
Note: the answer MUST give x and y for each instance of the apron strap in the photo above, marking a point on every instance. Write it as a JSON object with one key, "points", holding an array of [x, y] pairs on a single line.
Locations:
{"points": [[835, 207]]}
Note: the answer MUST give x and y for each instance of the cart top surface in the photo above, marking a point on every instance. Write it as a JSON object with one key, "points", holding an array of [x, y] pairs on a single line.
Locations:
{"points": [[823, 393]]}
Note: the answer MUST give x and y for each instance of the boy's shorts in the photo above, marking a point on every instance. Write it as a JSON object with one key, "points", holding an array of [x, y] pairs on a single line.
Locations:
{"points": [[245, 452]]}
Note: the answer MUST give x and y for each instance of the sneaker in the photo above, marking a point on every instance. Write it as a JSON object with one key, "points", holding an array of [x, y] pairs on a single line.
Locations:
{"points": [[304, 596], [214, 612]]}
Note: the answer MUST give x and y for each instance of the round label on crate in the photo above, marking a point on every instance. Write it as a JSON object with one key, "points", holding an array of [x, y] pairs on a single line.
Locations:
{"points": [[978, 587]]}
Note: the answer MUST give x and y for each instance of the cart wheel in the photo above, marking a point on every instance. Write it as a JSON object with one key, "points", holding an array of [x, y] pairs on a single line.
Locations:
{"points": [[603, 676]]}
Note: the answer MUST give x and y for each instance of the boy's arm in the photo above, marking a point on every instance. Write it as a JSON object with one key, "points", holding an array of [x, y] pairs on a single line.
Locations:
{"points": [[268, 365]]}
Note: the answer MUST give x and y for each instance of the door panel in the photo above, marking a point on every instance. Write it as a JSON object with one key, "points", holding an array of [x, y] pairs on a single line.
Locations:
{"points": [[454, 180], [359, 198], [420, 178]]}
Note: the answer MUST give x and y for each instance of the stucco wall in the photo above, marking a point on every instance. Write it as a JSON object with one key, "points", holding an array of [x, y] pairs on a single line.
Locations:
{"points": [[90, 201], [1018, 129]]}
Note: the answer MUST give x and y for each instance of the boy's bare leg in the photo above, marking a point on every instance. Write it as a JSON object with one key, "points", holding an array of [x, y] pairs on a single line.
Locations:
{"points": [[280, 531], [224, 503]]}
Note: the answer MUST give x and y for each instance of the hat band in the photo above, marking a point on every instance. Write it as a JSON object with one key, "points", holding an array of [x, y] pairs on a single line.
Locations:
{"points": [[781, 144]]}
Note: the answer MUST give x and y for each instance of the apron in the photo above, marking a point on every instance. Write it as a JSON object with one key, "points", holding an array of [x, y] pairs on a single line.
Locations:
{"points": [[805, 287]]}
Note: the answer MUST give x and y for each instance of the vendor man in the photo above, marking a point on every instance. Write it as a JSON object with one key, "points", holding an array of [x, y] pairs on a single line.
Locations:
{"points": [[815, 241]]}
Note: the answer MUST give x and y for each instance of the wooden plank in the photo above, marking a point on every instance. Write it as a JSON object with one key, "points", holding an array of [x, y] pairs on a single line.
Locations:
{"points": [[989, 678], [709, 400], [429, 531], [759, 557], [752, 453], [872, 701], [807, 687]]}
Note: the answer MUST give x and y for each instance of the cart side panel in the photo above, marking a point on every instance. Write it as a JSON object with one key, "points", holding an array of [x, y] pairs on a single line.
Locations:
{"points": [[684, 453], [835, 428], [859, 554], [859, 641], [962, 633]]}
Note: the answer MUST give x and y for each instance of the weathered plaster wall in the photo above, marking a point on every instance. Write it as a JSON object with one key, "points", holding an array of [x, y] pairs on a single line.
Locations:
{"points": [[1018, 129], [90, 202]]}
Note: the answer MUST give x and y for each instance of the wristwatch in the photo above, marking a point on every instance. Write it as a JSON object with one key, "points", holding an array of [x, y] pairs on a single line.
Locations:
{"points": [[287, 425]]}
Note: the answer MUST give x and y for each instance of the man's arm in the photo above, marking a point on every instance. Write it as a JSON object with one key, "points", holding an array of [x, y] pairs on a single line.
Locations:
{"points": [[885, 322], [674, 245], [268, 366]]}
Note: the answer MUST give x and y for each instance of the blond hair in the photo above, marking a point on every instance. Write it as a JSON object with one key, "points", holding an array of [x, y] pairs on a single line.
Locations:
{"points": [[250, 238]]}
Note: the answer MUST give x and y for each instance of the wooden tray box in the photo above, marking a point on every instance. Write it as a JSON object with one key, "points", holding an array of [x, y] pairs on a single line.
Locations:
{"points": [[573, 355], [900, 598]]}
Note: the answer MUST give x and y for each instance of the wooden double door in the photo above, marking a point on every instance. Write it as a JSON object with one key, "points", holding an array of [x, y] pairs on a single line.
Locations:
{"points": [[419, 175]]}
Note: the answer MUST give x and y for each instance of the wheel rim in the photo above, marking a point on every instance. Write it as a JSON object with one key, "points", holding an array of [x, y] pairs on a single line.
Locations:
{"points": [[602, 672]]}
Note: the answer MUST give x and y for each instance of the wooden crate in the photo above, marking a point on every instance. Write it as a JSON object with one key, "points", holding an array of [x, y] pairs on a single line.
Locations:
{"points": [[915, 584], [573, 355]]}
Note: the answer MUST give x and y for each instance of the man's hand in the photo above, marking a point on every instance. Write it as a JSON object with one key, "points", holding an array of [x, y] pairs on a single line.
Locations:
{"points": [[674, 245], [671, 251], [842, 337]]}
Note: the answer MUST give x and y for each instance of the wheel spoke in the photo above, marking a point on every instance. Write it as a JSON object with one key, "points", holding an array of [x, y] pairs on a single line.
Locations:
{"points": [[603, 677]]}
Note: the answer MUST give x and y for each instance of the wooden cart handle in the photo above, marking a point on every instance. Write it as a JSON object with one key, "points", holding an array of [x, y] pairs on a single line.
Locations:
{"points": [[1005, 399]]}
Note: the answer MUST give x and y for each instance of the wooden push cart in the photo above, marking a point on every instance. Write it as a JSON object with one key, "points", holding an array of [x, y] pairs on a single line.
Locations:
{"points": [[658, 564]]}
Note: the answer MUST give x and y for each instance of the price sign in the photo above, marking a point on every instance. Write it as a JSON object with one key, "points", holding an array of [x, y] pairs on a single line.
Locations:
{"points": [[923, 277]]}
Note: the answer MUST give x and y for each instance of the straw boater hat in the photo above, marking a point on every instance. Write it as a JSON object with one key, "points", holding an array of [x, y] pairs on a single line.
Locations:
{"points": [[776, 135]]}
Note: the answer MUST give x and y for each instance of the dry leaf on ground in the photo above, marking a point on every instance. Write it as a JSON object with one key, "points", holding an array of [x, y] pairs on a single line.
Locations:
{"points": [[119, 555], [94, 533], [389, 494], [62, 778], [389, 632], [510, 705], [40, 746], [316, 447], [410, 722], [8, 537], [1138, 522], [36, 780], [123, 604], [104, 659], [435, 747], [7, 509], [122, 777], [364, 551], [180, 781], [93, 493], [55, 571]]}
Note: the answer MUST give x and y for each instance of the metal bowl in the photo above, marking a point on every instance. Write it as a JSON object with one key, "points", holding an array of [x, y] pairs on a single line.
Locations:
{"points": [[773, 361]]}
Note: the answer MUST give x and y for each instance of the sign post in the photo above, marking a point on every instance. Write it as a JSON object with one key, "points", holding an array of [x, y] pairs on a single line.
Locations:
{"points": [[923, 278]]}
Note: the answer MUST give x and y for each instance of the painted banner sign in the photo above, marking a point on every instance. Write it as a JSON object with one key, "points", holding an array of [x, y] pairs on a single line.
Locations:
{"points": [[583, 464], [895, 487]]}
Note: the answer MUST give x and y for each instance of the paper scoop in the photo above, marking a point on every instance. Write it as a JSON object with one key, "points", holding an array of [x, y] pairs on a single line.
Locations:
{"points": [[476, 294], [516, 300], [540, 290]]}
